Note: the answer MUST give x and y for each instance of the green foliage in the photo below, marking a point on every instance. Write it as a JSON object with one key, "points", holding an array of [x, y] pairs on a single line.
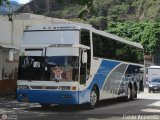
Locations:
{"points": [[99, 22], [4, 1], [89, 3], [1, 2], [147, 33], [8, 2]]}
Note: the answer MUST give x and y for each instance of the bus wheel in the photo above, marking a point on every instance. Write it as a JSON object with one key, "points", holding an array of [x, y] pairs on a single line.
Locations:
{"points": [[135, 92], [93, 98], [129, 95]]}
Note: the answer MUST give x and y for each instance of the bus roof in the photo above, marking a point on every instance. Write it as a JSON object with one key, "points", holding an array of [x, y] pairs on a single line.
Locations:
{"points": [[79, 26], [154, 67]]}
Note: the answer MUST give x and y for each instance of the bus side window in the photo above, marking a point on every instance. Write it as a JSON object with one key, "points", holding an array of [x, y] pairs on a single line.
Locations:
{"points": [[85, 38], [85, 68]]}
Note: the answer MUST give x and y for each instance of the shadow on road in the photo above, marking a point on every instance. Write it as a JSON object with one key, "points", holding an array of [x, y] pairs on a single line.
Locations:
{"points": [[107, 109], [75, 108], [110, 104]]}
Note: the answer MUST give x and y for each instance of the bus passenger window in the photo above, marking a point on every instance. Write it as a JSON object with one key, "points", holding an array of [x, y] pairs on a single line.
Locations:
{"points": [[85, 38]]}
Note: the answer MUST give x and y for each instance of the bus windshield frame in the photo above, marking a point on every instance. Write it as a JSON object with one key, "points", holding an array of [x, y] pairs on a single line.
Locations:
{"points": [[50, 68]]}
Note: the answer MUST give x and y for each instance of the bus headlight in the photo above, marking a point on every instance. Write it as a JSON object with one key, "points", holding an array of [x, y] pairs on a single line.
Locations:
{"points": [[23, 87], [68, 88], [73, 88]]}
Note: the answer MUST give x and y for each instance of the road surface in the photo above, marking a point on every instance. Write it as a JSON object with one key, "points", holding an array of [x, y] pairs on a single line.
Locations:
{"points": [[145, 107]]}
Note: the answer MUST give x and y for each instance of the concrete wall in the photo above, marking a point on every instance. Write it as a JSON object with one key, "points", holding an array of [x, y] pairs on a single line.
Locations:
{"points": [[9, 67], [5, 32], [1, 64], [7, 86]]}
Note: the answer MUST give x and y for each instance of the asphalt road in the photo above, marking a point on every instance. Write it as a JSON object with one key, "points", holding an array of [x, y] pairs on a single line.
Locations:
{"points": [[145, 107]]}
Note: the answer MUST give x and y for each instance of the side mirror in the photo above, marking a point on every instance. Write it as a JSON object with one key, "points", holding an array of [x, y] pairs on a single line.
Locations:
{"points": [[84, 56], [11, 55]]}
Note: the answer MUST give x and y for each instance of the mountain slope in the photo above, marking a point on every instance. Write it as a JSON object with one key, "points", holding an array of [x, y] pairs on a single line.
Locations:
{"points": [[51, 8], [117, 10], [13, 7]]}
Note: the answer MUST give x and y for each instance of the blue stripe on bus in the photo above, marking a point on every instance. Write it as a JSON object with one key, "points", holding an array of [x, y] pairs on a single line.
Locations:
{"points": [[105, 68]]}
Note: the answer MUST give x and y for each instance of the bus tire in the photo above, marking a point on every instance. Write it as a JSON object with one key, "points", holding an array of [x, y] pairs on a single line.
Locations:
{"points": [[129, 95], [135, 95], [93, 98], [134, 92]]}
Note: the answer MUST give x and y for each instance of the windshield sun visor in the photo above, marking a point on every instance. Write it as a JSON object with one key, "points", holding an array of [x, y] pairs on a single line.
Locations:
{"points": [[62, 52]]}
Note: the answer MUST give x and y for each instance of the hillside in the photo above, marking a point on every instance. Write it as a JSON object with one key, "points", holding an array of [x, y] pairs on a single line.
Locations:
{"points": [[115, 10], [13, 7], [51, 8]]}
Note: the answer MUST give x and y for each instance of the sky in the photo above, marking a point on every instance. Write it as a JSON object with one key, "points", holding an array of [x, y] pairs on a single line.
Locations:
{"points": [[21, 1]]}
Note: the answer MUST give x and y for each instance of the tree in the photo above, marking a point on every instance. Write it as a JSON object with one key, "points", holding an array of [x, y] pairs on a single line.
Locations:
{"points": [[146, 33], [86, 11], [4, 1]]}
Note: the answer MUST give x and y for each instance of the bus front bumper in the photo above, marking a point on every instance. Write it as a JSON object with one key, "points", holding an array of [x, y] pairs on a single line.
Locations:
{"points": [[48, 96]]}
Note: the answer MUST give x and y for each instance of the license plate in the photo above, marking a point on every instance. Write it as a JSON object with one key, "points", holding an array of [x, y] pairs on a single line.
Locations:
{"points": [[25, 99]]}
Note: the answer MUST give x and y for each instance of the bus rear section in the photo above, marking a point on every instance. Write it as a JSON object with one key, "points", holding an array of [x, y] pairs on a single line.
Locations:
{"points": [[153, 78], [153, 72]]}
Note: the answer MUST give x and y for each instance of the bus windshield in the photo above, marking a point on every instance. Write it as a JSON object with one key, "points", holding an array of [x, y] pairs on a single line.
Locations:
{"points": [[52, 68]]}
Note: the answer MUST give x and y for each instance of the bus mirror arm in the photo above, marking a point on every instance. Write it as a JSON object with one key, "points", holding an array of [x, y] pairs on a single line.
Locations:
{"points": [[84, 57], [11, 55]]}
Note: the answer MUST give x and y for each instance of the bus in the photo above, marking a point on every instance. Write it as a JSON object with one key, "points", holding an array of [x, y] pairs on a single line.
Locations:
{"points": [[153, 72], [153, 78], [74, 63]]}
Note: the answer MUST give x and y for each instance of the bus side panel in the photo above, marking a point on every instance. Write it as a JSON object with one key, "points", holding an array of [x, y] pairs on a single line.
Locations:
{"points": [[112, 79], [115, 82], [103, 71]]}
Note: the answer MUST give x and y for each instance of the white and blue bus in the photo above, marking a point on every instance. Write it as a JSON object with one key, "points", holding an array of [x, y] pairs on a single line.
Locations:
{"points": [[76, 64]]}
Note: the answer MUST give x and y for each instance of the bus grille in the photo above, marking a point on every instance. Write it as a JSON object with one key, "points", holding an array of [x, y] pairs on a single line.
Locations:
{"points": [[44, 87]]}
